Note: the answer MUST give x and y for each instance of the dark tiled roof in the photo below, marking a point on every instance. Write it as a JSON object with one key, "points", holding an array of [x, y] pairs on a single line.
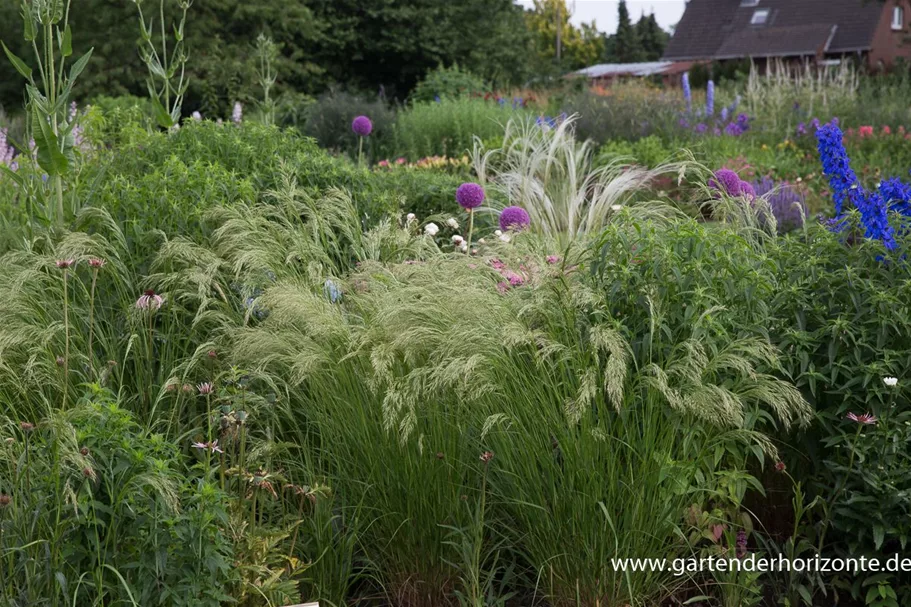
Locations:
{"points": [[708, 26], [797, 40]]}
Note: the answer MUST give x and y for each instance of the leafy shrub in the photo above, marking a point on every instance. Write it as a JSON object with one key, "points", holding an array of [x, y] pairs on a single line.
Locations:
{"points": [[98, 508], [329, 122], [448, 128], [447, 83]]}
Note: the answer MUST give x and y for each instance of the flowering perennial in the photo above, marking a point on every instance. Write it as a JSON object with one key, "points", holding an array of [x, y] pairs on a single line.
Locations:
{"points": [[874, 207]]}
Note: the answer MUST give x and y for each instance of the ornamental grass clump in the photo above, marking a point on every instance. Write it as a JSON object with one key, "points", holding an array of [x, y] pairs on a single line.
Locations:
{"points": [[604, 429], [552, 175]]}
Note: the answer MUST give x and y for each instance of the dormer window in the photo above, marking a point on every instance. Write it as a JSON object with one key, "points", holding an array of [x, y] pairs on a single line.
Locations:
{"points": [[760, 17], [898, 18]]}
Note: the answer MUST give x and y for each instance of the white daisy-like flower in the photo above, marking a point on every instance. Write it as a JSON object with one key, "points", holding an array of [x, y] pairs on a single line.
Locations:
{"points": [[410, 218], [431, 229], [890, 381], [616, 207], [452, 223], [497, 233], [457, 240], [504, 237]]}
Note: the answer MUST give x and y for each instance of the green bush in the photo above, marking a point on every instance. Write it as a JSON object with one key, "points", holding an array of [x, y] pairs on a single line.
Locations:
{"points": [[447, 83], [329, 122], [448, 128], [99, 508]]}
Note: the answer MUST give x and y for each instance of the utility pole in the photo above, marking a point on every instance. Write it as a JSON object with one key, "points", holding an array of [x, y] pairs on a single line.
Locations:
{"points": [[559, 29]]}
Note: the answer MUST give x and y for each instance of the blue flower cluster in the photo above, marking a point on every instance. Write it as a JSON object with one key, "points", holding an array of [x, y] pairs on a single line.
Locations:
{"points": [[550, 121], [704, 121], [874, 207]]}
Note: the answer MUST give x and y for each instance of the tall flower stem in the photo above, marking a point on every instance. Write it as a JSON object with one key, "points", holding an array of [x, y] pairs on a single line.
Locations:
{"points": [[360, 152], [841, 487], [470, 228], [91, 354], [66, 332]]}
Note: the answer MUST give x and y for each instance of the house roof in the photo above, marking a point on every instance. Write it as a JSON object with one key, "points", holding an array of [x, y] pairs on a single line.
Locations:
{"points": [[716, 29], [625, 69], [789, 41]]}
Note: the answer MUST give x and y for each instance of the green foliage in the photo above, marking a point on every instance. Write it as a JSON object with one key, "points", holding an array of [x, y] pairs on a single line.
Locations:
{"points": [[579, 48], [447, 83], [329, 122], [448, 128], [395, 43], [99, 510]]}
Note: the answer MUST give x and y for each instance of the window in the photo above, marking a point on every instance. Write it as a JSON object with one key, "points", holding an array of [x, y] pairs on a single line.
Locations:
{"points": [[749, 2], [760, 17], [898, 18]]}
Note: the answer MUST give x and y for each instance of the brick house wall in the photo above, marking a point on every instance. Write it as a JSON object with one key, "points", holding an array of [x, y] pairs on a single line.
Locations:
{"points": [[890, 44]]}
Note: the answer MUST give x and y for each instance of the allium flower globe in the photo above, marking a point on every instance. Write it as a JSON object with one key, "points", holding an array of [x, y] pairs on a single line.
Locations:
{"points": [[726, 181], [470, 195], [514, 218], [362, 126]]}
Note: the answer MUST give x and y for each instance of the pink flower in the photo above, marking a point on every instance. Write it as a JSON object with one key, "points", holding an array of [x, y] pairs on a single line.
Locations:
{"points": [[150, 300], [383, 163], [887, 130], [96, 262], [64, 264], [205, 388], [553, 259], [502, 287], [865, 418], [515, 280], [496, 264], [865, 131], [400, 161], [213, 446]]}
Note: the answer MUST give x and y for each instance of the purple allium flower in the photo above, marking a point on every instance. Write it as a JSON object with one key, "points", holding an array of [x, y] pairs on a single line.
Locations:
{"points": [[150, 300], [710, 99], [726, 181], [514, 218], [362, 126], [470, 195], [747, 191], [687, 92], [238, 114]]}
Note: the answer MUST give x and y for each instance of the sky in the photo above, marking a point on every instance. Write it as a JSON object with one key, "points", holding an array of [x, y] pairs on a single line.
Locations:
{"points": [[604, 12]]}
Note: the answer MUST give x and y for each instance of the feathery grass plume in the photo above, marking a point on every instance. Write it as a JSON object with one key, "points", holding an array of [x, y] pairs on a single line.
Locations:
{"points": [[552, 175]]}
